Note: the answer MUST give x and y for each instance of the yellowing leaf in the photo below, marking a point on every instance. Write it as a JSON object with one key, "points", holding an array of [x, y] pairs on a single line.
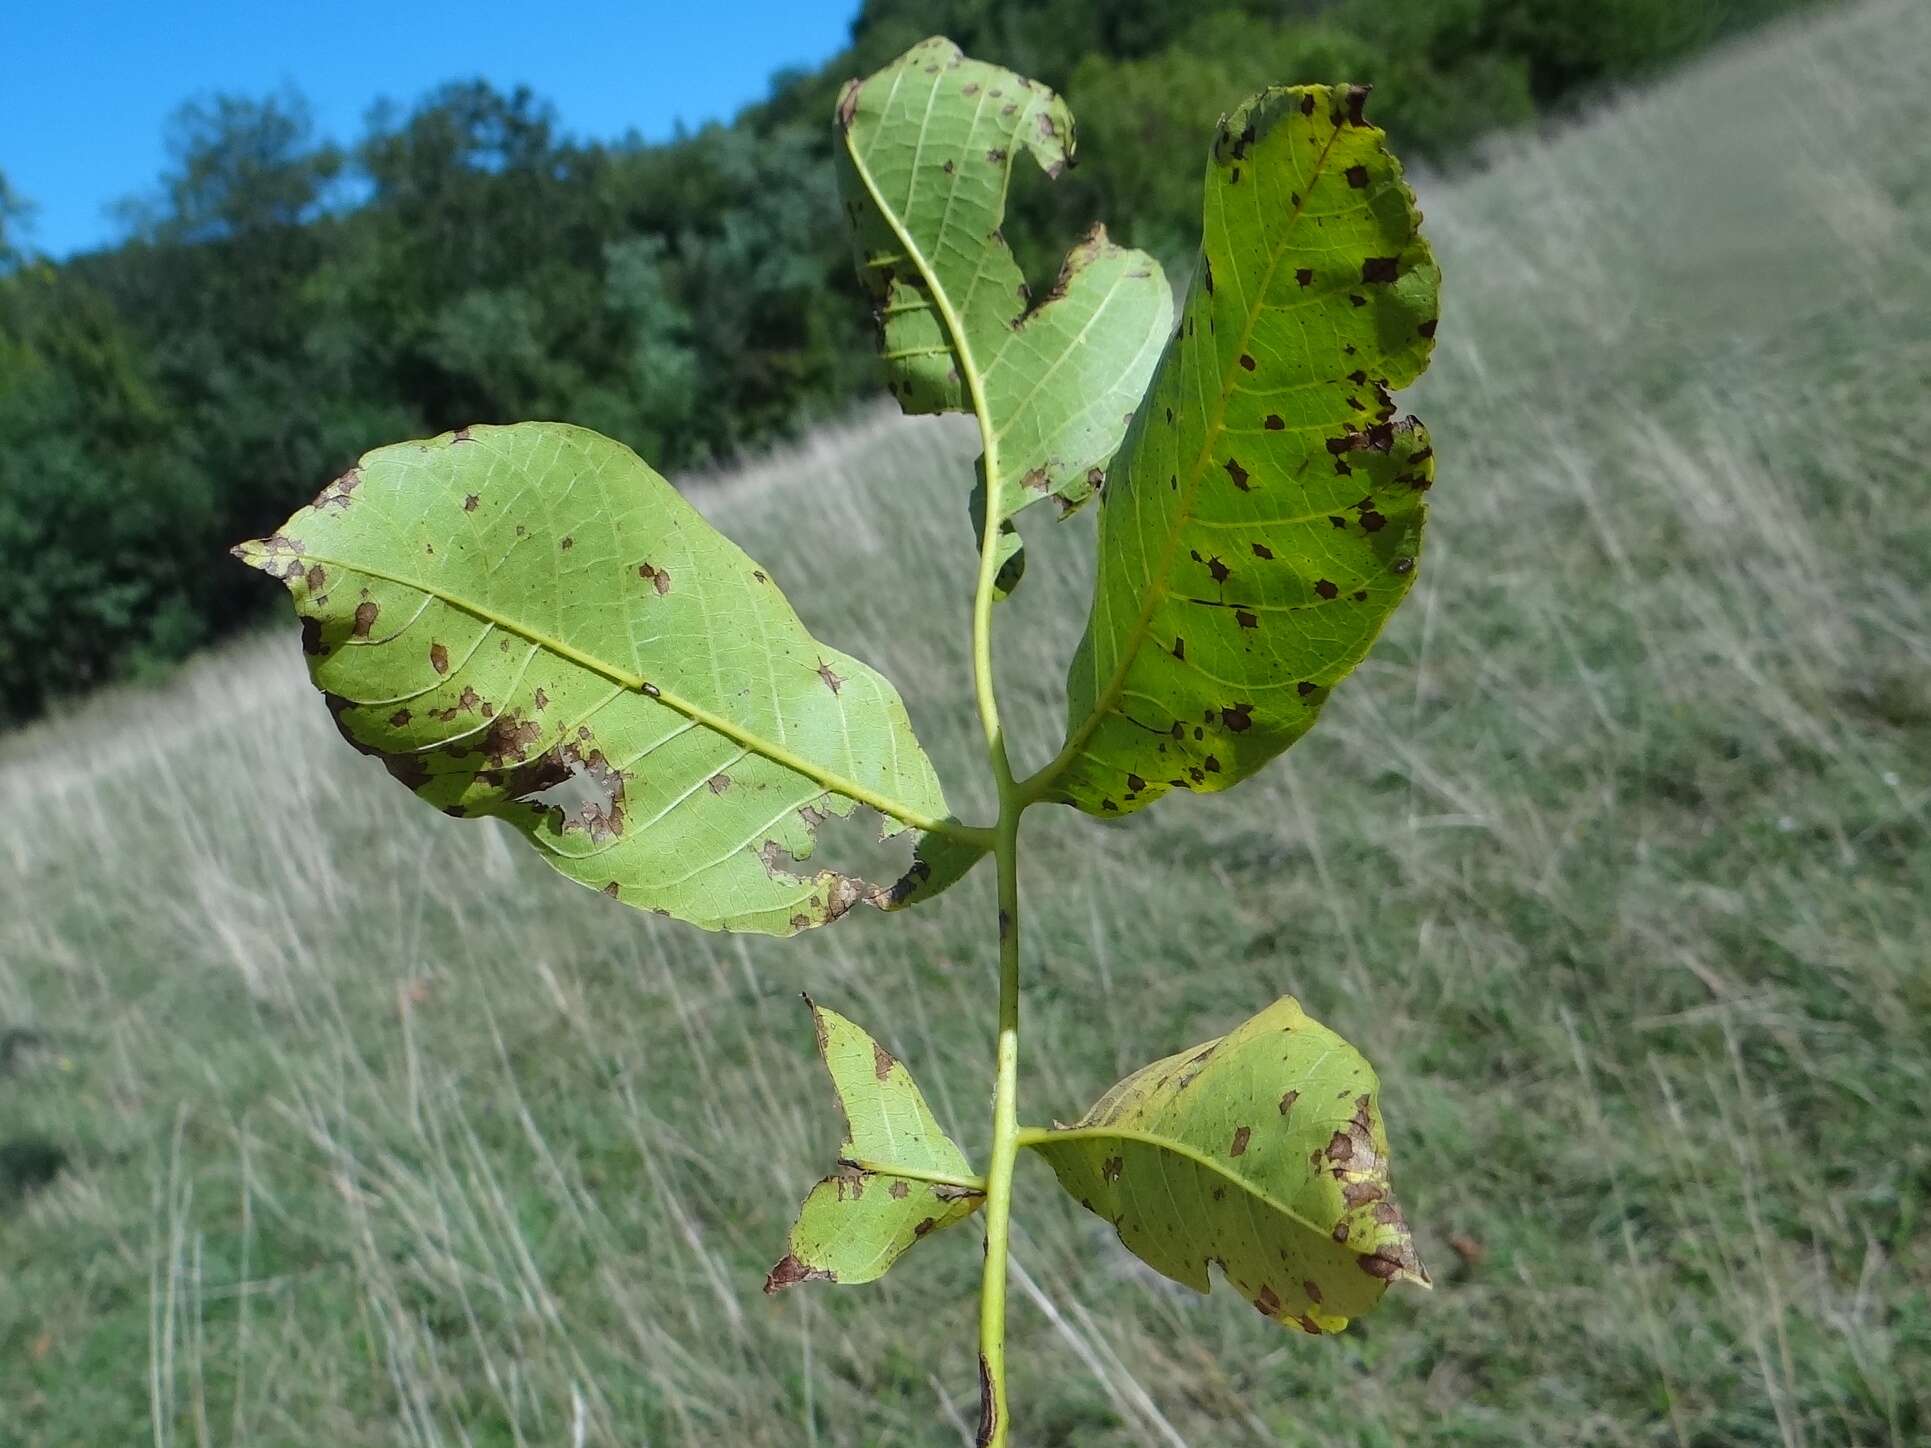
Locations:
{"points": [[899, 1177], [1264, 516], [529, 624], [1262, 1151]]}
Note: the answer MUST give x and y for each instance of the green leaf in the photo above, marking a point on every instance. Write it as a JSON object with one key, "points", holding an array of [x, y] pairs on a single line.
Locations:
{"points": [[527, 623], [929, 143], [899, 1177], [1262, 1151], [1264, 517]]}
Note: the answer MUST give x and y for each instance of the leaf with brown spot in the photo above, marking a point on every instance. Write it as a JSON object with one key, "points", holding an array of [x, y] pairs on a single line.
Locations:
{"points": [[1192, 1162], [596, 731], [1257, 383], [925, 160], [848, 1234]]}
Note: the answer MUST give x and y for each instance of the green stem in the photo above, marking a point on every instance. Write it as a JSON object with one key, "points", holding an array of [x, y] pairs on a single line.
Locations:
{"points": [[1005, 1097], [1005, 844], [1005, 1144]]}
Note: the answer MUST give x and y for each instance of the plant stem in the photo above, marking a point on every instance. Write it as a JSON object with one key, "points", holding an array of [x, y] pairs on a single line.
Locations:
{"points": [[1005, 1145], [1005, 1096]]}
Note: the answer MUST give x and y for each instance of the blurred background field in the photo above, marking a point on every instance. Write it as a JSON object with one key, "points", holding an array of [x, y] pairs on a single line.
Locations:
{"points": [[325, 1120]]}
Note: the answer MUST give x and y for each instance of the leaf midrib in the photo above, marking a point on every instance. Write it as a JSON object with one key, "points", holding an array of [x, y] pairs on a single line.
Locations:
{"points": [[1040, 1138], [697, 713]]}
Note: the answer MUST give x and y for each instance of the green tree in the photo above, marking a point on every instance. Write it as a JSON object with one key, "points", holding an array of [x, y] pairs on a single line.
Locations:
{"points": [[16, 220]]}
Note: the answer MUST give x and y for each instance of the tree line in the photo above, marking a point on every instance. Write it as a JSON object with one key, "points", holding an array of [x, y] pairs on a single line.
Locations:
{"points": [[283, 301]]}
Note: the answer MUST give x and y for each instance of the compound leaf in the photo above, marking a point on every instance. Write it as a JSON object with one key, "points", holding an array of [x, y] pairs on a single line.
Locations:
{"points": [[928, 147], [527, 623], [1264, 517], [1262, 1151], [899, 1177]]}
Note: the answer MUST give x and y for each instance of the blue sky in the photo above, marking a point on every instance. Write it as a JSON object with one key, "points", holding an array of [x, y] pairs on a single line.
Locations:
{"points": [[86, 86]]}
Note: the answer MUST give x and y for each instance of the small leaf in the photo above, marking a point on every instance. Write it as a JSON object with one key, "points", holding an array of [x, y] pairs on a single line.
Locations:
{"points": [[899, 1177], [929, 144], [1264, 517], [529, 624], [1262, 1151]]}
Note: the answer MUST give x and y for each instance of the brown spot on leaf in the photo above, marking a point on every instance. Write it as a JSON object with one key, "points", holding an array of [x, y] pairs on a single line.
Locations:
{"points": [[1267, 1302], [881, 1061], [1247, 361], [1111, 1168], [1305, 276], [337, 494], [1357, 176], [470, 502], [658, 578], [439, 658], [790, 1271], [899, 1191], [1241, 1136], [718, 783], [1273, 422], [365, 617], [1238, 717], [1372, 521], [1219, 570], [398, 719], [1360, 1193], [1376, 1265], [833, 681], [1261, 550], [1246, 619], [1379, 269], [1326, 589], [610, 890], [568, 543], [1238, 473]]}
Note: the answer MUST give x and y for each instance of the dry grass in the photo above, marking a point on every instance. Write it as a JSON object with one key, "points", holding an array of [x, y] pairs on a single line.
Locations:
{"points": [[1614, 859]]}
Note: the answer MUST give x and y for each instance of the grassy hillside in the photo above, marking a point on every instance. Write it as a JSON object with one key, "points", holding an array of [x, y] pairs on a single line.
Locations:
{"points": [[323, 1120]]}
